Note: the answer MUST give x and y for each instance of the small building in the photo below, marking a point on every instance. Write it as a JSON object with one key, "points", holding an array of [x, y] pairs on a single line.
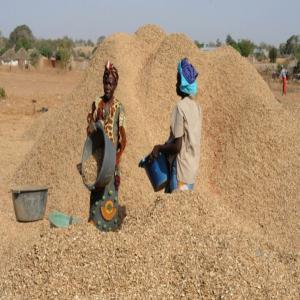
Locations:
{"points": [[22, 57], [208, 48], [9, 58]]}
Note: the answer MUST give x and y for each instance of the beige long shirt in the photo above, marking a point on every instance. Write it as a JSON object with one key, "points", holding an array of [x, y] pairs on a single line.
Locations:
{"points": [[186, 122]]}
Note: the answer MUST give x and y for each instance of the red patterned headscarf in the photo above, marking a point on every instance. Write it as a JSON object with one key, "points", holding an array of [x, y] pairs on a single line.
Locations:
{"points": [[111, 69]]}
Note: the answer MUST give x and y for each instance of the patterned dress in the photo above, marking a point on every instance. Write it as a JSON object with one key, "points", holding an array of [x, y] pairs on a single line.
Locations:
{"points": [[113, 121], [104, 207]]}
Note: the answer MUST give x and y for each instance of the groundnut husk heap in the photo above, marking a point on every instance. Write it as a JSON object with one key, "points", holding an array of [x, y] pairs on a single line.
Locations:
{"points": [[235, 237]]}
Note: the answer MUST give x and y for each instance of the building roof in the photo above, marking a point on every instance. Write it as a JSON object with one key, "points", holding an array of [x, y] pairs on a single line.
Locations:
{"points": [[22, 54], [9, 55]]}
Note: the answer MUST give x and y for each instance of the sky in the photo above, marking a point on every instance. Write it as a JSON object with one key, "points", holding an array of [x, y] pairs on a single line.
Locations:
{"points": [[271, 21]]}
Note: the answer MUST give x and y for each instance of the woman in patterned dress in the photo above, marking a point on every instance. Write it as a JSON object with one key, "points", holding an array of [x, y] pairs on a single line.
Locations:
{"points": [[110, 112]]}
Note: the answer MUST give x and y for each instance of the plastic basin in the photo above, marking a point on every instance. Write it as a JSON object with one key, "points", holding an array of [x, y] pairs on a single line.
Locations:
{"points": [[29, 202], [60, 220]]}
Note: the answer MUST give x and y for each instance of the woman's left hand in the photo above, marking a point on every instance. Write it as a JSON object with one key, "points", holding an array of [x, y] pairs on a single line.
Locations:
{"points": [[155, 151]]}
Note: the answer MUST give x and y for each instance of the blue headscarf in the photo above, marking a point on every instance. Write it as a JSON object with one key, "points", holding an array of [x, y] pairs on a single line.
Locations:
{"points": [[188, 76]]}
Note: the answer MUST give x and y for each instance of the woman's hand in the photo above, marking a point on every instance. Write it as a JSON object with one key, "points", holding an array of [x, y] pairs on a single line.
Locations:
{"points": [[91, 128], [155, 151], [173, 148], [118, 157]]}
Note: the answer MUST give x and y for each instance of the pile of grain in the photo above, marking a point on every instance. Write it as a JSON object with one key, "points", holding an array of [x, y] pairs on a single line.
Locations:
{"points": [[243, 243], [92, 167], [178, 249]]}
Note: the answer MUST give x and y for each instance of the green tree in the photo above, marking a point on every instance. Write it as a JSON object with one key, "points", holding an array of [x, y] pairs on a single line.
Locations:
{"points": [[2, 93], [3, 43], [90, 43], [100, 39], [21, 37], [231, 42], [63, 55], [292, 46], [46, 47], [273, 54], [198, 44], [64, 50], [66, 43], [266, 46], [260, 55], [45, 51], [246, 47], [297, 68], [34, 57]]}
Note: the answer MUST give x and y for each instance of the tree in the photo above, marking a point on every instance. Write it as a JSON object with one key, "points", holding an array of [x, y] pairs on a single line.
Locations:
{"points": [[34, 57], [21, 37], [46, 47], [3, 43], [100, 39], [246, 47], [259, 54], [198, 44], [282, 48], [292, 45], [218, 43], [45, 51], [273, 54], [66, 43], [297, 68], [266, 46], [90, 43], [64, 55], [231, 42]]}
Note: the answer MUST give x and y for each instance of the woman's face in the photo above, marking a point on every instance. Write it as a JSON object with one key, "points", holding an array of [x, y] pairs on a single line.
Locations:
{"points": [[178, 91], [109, 85]]}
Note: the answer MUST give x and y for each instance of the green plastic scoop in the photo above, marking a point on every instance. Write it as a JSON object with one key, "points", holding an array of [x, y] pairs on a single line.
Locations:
{"points": [[60, 220]]}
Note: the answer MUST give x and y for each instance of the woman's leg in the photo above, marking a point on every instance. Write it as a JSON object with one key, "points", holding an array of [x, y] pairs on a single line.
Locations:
{"points": [[284, 86]]}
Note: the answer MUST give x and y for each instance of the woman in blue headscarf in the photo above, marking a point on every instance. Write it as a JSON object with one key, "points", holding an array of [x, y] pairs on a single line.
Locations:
{"points": [[183, 146]]}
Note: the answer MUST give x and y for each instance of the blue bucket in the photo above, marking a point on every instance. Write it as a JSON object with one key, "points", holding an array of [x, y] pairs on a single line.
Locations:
{"points": [[157, 171]]}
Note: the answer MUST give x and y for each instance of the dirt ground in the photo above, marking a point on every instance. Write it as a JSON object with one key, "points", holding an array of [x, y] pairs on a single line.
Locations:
{"points": [[18, 114], [293, 92]]}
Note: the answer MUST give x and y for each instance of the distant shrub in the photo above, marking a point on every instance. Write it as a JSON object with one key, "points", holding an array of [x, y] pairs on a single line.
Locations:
{"points": [[45, 51], [246, 47], [63, 55], [297, 68], [273, 54], [198, 44], [2, 93], [34, 57], [82, 54]]}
